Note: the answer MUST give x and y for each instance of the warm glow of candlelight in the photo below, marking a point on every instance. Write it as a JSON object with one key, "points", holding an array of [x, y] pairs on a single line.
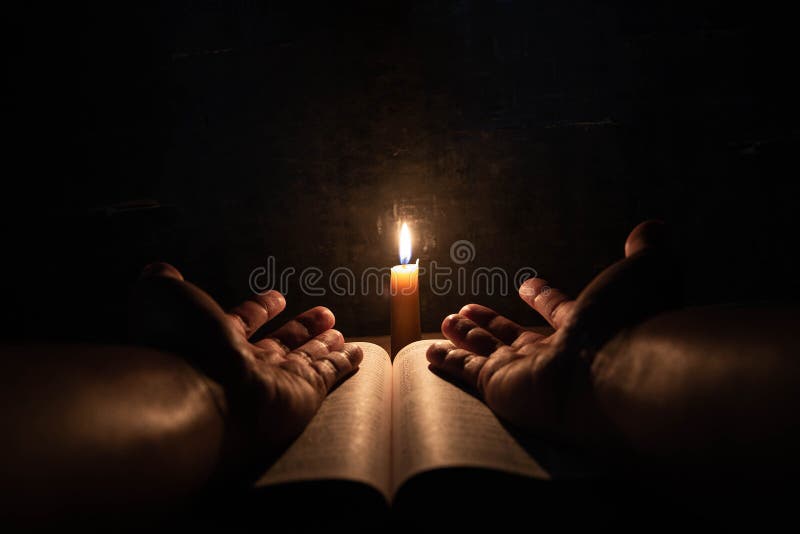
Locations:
{"points": [[405, 244], [405, 296]]}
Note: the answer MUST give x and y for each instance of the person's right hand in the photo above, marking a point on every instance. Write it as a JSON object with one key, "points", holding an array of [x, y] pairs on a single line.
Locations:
{"points": [[271, 387], [540, 382]]}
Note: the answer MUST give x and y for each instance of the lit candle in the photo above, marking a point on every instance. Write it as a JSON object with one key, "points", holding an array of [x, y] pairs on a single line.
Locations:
{"points": [[405, 296]]}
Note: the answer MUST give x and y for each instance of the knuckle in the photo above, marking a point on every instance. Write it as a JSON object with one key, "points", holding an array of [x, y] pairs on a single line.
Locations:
{"points": [[473, 365], [443, 346], [455, 356], [301, 355], [554, 307], [318, 345], [298, 330], [331, 338], [499, 323], [463, 326], [481, 339], [339, 361], [327, 371], [274, 345], [260, 302]]}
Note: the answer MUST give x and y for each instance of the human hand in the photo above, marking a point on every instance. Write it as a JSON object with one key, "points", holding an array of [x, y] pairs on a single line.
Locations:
{"points": [[540, 382], [271, 387]]}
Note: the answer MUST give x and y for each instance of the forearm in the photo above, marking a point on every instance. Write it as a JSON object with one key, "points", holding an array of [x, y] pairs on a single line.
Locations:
{"points": [[703, 387], [105, 428]]}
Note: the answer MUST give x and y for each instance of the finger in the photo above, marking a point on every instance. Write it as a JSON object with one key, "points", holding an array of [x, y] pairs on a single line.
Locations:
{"points": [[641, 285], [455, 363], [648, 234], [160, 269], [464, 333], [337, 364], [299, 330], [318, 347], [500, 327], [257, 310], [552, 304]]}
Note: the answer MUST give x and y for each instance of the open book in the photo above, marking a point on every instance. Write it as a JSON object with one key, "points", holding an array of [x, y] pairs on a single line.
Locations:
{"points": [[391, 424]]}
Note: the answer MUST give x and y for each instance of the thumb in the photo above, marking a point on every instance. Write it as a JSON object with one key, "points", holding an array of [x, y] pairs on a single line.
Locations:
{"points": [[648, 234], [647, 281]]}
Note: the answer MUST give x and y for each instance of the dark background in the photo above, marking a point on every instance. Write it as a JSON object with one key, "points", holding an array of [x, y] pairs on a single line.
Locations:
{"points": [[215, 134]]}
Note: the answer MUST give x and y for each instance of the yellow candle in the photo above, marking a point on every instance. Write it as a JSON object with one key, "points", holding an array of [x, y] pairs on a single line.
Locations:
{"points": [[405, 296]]}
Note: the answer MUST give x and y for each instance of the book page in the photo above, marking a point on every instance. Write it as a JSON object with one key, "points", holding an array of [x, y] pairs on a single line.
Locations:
{"points": [[436, 424], [350, 437]]}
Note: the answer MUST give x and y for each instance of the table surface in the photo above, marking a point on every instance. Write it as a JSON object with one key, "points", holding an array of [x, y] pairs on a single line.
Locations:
{"points": [[386, 341]]}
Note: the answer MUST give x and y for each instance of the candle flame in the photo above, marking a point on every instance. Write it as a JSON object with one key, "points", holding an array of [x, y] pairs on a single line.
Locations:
{"points": [[405, 244]]}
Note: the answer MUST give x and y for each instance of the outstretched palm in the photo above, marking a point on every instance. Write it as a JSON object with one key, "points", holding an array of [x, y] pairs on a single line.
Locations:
{"points": [[532, 380], [272, 386]]}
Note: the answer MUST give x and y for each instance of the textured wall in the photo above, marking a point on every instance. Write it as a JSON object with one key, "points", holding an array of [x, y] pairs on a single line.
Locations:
{"points": [[540, 132]]}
